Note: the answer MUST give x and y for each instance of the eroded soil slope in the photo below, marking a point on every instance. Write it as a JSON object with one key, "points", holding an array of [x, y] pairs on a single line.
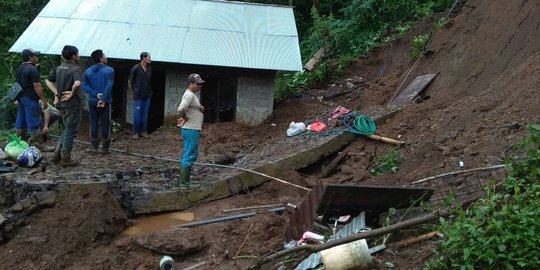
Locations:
{"points": [[488, 64]]}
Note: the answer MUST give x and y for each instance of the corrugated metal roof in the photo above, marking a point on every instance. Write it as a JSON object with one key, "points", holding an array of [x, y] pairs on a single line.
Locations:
{"points": [[217, 33]]}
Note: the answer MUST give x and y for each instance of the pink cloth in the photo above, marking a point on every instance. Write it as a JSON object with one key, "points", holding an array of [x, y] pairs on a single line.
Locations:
{"points": [[339, 111]]}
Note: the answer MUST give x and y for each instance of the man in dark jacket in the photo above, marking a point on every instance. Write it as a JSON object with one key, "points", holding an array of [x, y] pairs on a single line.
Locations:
{"points": [[65, 82], [97, 82], [139, 86], [28, 109]]}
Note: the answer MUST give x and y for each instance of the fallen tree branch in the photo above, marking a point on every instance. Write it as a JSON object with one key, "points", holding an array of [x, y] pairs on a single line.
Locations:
{"points": [[459, 172], [363, 235]]}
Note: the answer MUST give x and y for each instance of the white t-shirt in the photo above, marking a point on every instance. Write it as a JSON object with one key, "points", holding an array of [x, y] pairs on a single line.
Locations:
{"points": [[190, 105]]}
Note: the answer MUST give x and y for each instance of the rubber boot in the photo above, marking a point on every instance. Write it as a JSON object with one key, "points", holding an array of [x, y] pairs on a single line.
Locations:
{"points": [[21, 132], [67, 161], [106, 145], [37, 139], [94, 145], [185, 175], [57, 155]]}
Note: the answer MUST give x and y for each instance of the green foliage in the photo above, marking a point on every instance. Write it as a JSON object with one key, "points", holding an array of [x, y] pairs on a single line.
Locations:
{"points": [[386, 163], [499, 231], [418, 44], [293, 83], [439, 24], [350, 28], [5, 135]]}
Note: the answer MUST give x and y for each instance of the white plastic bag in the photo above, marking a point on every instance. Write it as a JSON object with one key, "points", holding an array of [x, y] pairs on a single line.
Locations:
{"points": [[296, 128]]}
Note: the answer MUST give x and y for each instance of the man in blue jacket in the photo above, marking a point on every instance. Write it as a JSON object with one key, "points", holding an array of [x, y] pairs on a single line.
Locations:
{"points": [[97, 82]]}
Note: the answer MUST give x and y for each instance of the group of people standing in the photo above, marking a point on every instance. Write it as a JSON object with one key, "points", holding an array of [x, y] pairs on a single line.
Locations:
{"points": [[35, 114], [67, 82]]}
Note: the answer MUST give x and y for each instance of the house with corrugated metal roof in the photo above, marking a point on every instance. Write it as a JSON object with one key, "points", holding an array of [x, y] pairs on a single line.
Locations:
{"points": [[236, 47]]}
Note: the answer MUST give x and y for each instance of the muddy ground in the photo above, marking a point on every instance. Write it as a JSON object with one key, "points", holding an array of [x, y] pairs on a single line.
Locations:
{"points": [[486, 93]]}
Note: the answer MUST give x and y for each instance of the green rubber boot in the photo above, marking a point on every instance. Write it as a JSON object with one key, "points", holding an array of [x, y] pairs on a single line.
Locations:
{"points": [[185, 175]]}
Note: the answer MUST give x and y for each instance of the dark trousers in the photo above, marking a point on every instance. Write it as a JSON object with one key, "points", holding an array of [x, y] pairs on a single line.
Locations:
{"points": [[100, 116], [71, 119]]}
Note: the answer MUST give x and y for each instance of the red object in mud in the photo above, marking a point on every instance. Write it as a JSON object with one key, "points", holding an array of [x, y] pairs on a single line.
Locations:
{"points": [[317, 126]]}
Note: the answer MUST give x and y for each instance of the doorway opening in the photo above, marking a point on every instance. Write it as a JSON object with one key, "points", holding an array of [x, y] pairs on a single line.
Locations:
{"points": [[218, 97]]}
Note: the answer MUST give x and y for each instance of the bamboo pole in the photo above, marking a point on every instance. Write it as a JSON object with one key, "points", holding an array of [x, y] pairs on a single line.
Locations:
{"points": [[459, 172], [415, 239], [384, 139]]}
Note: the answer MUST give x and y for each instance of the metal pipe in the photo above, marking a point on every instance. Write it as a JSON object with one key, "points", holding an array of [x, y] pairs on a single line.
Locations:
{"points": [[216, 220], [249, 208]]}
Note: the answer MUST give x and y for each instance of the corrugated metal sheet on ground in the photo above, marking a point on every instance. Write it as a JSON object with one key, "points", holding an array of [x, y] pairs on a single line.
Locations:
{"points": [[305, 214], [217, 33]]}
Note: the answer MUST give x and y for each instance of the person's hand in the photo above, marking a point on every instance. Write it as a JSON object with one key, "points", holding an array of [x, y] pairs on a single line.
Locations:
{"points": [[101, 104], [99, 96], [201, 108], [180, 122], [55, 100], [66, 95], [45, 131], [16, 102], [44, 105]]}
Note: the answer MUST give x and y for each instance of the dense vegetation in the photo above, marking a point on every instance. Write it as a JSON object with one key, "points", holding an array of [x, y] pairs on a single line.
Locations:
{"points": [[499, 231], [16, 16]]}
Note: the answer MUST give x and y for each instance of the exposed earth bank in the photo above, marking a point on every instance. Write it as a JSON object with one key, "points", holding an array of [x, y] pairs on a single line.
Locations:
{"points": [[484, 96]]}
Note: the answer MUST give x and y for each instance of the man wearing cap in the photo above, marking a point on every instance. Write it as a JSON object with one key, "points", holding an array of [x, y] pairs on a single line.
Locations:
{"points": [[65, 82], [191, 121], [98, 82], [28, 106], [139, 86]]}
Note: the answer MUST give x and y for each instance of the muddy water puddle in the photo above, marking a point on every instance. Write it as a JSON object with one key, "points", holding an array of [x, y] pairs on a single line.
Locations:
{"points": [[158, 223]]}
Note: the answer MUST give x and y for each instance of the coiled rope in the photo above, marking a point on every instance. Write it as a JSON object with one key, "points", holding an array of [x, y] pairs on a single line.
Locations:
{"points": [[354, 122]]}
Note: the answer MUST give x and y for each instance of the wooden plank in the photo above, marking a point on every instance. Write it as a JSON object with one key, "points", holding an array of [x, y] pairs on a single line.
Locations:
{"points": [[332, 166], [310, 65], [415, 88]]}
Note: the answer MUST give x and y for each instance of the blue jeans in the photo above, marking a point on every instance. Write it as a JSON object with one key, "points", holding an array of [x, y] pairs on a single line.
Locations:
{"points": [[71, 118], [28, 114], [100, 116], [140, 115], [191, 147]]}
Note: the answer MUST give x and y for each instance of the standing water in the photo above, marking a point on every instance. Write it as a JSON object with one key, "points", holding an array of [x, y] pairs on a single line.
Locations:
{"points": [[158, 223]]}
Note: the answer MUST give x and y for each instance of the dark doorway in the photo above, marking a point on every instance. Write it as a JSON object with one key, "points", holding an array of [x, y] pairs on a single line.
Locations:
{"points": [[119, 94], [218, 96], [157, 102]]}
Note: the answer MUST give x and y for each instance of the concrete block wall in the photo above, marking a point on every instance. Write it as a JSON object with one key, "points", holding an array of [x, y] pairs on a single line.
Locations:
{"points": [[175, 86], [255, 99]]}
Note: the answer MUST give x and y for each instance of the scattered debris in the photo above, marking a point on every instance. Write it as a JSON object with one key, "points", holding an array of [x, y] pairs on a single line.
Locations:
{"points": [[332, 166]]}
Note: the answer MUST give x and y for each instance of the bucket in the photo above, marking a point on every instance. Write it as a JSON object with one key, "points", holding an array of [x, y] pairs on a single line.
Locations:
{"points": [[166, 263], [354, 255]]}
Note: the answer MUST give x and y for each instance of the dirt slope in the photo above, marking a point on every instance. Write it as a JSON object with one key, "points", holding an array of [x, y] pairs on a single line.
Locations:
{"points": [[488, 60]]}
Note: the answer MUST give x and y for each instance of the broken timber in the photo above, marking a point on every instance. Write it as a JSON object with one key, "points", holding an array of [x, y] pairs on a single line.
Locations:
{"points": [[332, 166], [310, 65]]}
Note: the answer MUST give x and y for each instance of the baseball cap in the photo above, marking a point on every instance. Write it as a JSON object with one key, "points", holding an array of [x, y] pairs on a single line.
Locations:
{"points": [[27, 53], [196, 78]]}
